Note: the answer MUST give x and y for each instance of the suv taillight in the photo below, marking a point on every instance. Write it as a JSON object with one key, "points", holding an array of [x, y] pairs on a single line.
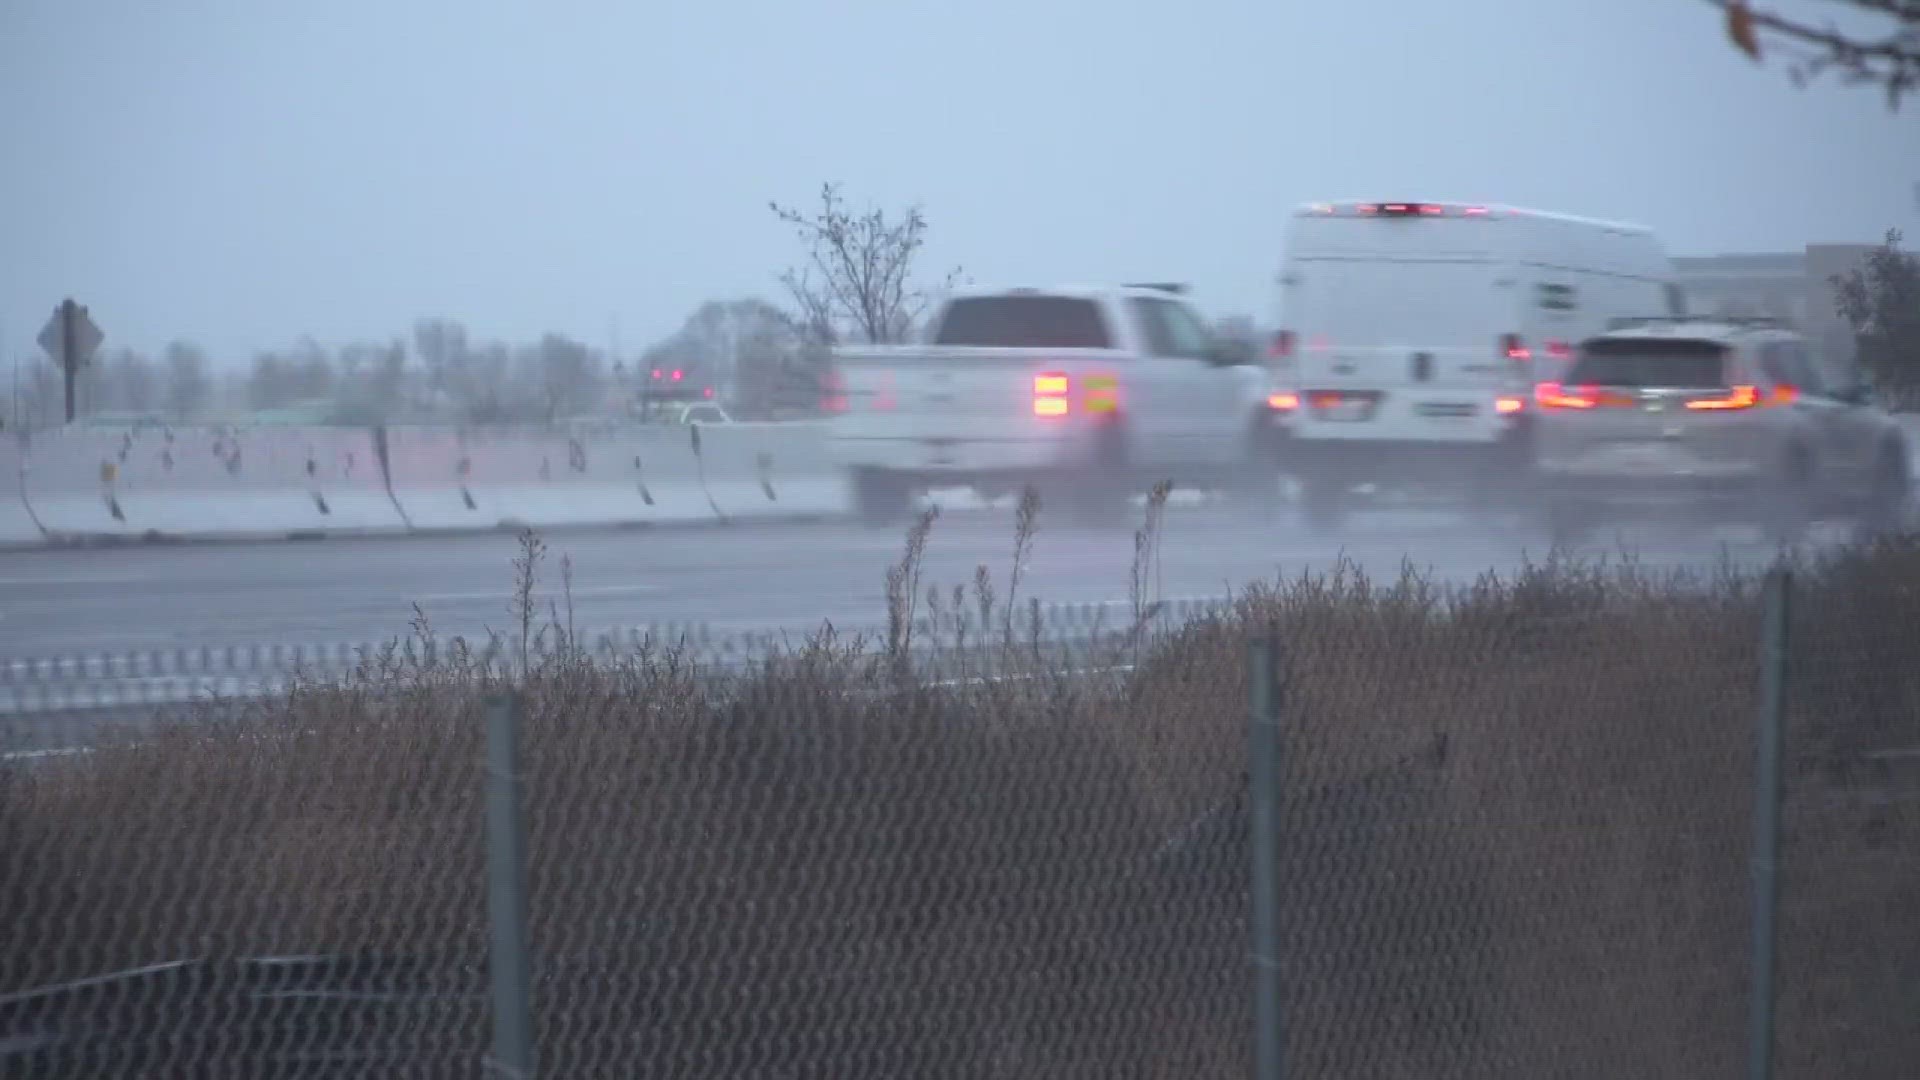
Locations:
{"points": [[1513, 347], [1552, 395], [1739, 397]]}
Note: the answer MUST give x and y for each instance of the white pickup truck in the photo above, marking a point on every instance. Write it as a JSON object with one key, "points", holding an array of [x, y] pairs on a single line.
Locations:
{"points": [[1091, 395]]}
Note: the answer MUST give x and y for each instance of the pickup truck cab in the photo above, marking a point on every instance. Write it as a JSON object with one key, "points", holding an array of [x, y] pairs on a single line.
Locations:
{"points": [[1091, 395]]}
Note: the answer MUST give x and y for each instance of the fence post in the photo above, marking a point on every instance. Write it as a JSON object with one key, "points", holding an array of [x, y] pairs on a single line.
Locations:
{"points": [[1766, 820], [1263, 771], [507, 893]]}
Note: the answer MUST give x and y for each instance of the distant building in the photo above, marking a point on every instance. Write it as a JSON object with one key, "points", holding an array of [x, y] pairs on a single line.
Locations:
{"points": [[1795, 286]]}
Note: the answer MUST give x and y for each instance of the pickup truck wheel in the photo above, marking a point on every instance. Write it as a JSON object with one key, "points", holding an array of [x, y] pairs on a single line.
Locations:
{"points": [[881, 498], [1100, 497]]}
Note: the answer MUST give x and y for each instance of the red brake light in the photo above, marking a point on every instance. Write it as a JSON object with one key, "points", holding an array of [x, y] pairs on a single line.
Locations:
{"points": [[1283, 402], [1785, 394], [676, 374], [1559, 350], [1475, 211], [1740, 397], [1507, 406], [1514, 348], [1050, 394], [656, 373], [707, 393], [1282, 346], [833, 391]]}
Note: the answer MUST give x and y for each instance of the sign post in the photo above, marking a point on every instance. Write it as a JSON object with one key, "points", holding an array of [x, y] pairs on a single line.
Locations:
{"points": [[70, 338]]}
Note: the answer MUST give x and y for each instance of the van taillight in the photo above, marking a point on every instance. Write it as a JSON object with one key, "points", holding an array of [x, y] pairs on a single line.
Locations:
{"points": [[1281, 348], [1514, 348], [1050, 394]]}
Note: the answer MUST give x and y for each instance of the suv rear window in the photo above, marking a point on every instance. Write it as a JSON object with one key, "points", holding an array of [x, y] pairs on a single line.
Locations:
{"points": [[1651, 363], [1024, 322]]}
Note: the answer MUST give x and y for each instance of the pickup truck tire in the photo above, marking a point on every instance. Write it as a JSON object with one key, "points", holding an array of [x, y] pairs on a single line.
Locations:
{"points": [[1101, 495], [880, 497]]}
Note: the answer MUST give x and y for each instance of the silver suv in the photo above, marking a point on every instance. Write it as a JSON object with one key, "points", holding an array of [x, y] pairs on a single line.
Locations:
{"points": [[1734, 417]]}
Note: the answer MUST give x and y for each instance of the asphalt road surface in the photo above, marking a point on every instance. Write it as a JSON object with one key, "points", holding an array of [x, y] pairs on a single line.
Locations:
{"points": [[778, 577]]}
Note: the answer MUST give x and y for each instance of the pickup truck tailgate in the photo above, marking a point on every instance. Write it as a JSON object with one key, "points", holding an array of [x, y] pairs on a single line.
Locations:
{"points": [[953, 393], [948, 407]]}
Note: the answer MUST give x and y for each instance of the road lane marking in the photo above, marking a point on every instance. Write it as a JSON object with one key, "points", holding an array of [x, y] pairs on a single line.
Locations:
{"points": [[550, 592]]}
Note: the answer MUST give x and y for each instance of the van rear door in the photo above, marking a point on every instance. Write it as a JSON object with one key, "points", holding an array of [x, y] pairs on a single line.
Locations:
{"points": [[1400, 324]]}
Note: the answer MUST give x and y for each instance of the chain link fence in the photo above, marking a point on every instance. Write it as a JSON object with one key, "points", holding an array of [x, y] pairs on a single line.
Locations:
{"points": [[1507, 831]]}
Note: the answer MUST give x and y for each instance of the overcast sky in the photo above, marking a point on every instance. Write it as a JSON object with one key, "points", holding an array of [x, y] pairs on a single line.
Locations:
{"points": [[231, 173]]}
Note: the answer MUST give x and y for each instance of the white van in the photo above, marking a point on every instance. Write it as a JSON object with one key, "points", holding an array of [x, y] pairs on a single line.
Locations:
{"points": [[1414, 333]]}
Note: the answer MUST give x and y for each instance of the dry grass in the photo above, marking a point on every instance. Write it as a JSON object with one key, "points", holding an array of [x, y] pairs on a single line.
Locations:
{"points": [[1516, 835]]}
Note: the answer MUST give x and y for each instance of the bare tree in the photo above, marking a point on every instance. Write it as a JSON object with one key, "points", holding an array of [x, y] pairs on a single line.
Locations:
{"points": [[442, 347], [859, 269], [189, 388], [272, 382], [373, 375], [565, 373], [1881, 300], [123, 381], [1888, 57]]}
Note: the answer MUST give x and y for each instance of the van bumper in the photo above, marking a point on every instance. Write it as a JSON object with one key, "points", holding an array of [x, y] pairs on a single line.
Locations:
{"points": [[1509, 458]]}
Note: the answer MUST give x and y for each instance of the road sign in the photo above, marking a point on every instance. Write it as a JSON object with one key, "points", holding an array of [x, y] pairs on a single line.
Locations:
{"points": [[70, 336]]}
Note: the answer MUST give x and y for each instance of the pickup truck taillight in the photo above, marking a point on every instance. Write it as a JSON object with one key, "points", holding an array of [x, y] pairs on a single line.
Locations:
{"points": [[1053, 394], [1050, 390]]}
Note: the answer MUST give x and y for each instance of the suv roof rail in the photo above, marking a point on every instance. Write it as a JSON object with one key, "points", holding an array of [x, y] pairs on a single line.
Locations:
{"points": [[1174, 287], [1632, 321]]}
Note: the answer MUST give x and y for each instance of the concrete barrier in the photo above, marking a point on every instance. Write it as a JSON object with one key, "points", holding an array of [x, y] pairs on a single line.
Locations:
{"points": [[768, 470], [488, 479], [17, 527], [215, 482], [208, 483], [69, 484]]}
